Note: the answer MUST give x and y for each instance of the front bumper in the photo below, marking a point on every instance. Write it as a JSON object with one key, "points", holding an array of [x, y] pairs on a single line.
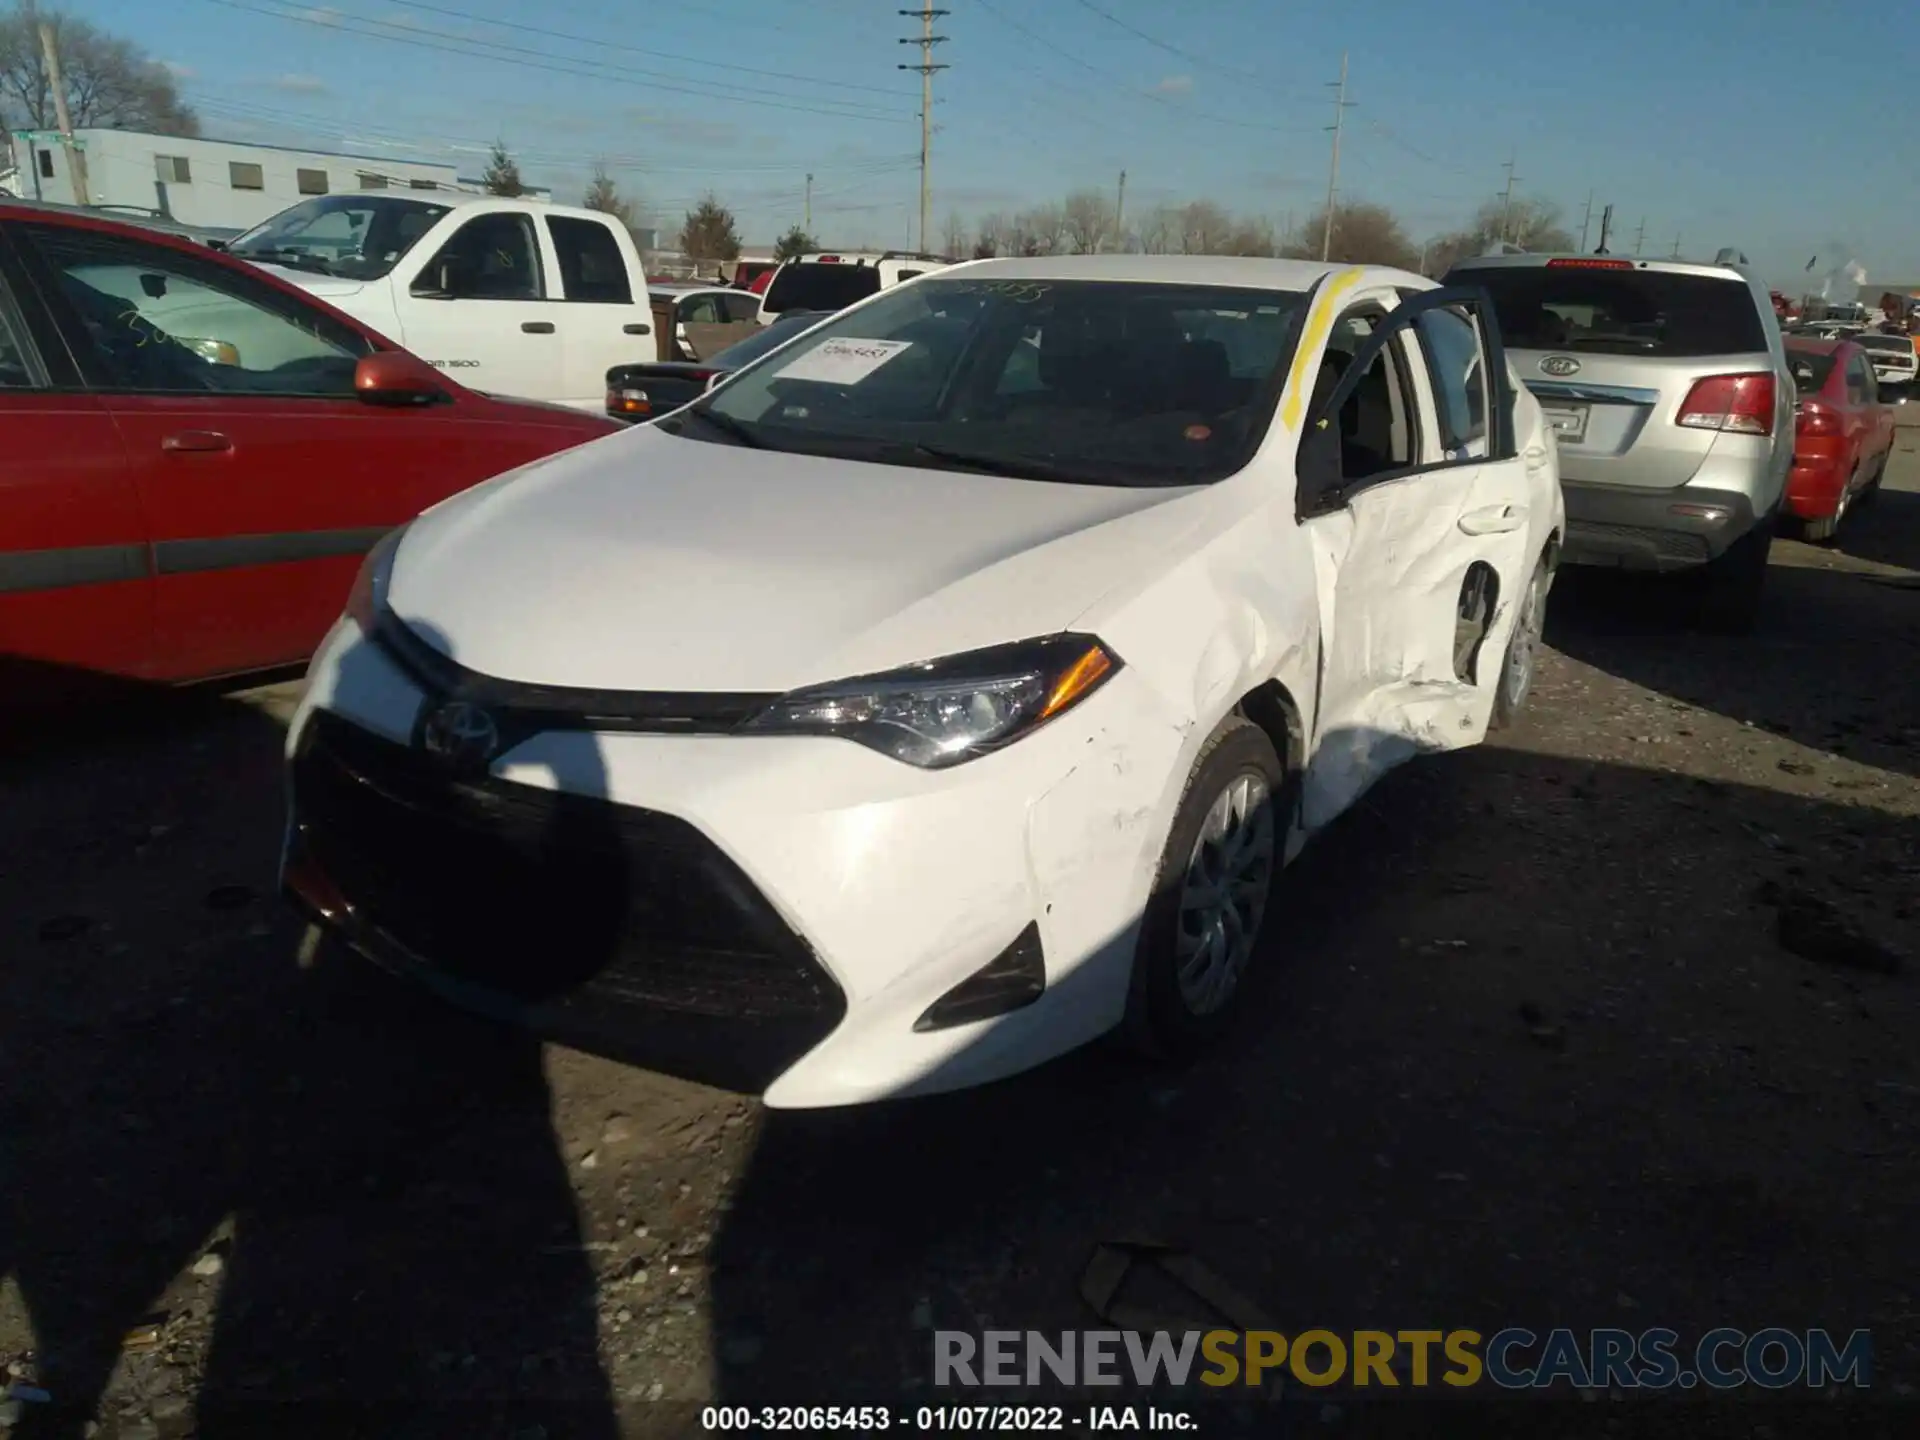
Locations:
{"points": [[1660, 530], [770, 914]]}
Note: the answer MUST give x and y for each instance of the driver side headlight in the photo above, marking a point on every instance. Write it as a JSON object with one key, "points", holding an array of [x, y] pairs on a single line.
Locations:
{"points": [[948, 711]]}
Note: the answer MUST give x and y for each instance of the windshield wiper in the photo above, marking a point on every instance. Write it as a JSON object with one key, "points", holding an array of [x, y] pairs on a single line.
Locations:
{"points": [[736, 429], [1017, 467]]}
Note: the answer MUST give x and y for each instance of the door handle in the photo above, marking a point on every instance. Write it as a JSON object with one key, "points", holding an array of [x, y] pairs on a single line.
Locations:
{"points": [[196, 442], [636, 329], [537, 327], [1493, 519]]}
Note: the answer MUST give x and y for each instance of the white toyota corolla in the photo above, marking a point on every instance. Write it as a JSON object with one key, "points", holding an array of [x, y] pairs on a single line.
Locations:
{"points": [[944, 690]]}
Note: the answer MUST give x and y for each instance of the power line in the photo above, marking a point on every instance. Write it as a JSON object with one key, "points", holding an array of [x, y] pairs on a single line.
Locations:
{"points": [[601, 43], [926, 40], [1265, 82], [542, 60]]}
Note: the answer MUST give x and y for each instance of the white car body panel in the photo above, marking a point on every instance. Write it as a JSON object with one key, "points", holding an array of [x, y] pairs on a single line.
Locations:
{"points": [[668, 564]]}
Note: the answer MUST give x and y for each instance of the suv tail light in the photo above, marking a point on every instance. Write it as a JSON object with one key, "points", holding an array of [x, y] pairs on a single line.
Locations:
{"points": [[1740, 403], [1813, 418]]}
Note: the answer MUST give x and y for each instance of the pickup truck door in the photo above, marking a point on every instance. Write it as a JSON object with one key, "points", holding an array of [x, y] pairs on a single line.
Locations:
{"points": [[480, 306], [600, 277]]}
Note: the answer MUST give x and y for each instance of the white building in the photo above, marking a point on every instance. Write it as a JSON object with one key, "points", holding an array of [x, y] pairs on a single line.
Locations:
{"points": [[214, 184]]}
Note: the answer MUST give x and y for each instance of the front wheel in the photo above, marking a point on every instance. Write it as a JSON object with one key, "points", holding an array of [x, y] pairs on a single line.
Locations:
{"points": [[1203, 921]]}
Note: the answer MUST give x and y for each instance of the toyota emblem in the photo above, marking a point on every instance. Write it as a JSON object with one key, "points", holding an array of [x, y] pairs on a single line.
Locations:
{"points": [[1560, 365], [461, 733]]}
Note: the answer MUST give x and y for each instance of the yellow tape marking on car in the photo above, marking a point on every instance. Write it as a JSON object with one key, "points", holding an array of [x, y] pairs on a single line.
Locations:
{"points": [[1311, 338]]}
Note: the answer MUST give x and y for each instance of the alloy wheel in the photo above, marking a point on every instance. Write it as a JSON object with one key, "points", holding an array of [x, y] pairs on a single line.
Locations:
{"points": [[1224, 893]]}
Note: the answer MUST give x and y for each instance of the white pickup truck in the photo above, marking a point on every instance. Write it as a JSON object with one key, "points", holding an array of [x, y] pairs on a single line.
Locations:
{"points": [[513, 297]]}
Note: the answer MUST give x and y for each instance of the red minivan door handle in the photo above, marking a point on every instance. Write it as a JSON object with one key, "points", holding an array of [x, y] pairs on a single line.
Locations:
{"points": [[195, 441]]}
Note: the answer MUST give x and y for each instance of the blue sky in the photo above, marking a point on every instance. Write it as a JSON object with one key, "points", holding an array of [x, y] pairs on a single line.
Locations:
{"points": [[1706, 129]]}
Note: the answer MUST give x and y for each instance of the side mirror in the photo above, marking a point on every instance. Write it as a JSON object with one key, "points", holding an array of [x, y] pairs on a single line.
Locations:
{"points": [[1316, 468], [439, 281], [393, 377]]}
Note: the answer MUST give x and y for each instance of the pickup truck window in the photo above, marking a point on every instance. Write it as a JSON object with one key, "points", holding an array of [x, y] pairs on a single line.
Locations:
{"points": [[491, 257], [592, 268], [359, 237]]}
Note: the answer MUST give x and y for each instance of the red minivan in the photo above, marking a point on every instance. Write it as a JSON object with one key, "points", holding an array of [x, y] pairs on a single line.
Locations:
{"points": [[194, 456]]}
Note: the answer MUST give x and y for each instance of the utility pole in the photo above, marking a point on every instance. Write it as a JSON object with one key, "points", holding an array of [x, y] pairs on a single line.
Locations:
{"points": [[1676, 245], [1340, 107], [1506, 196], [807, 224], [1586, 220], [76, 158], [1120, 215], [1640, 235], [926, 40], [1606, 228]]}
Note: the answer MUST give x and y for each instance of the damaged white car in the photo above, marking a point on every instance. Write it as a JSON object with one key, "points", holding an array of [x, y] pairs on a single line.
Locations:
{"points": [[945, 689]]}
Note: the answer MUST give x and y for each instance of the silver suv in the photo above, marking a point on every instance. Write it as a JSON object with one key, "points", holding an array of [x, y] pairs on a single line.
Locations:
{"points": [[1667, 386]]}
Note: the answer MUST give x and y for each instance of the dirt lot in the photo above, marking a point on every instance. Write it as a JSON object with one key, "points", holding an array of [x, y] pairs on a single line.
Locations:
{"points": [[1552, 1033]]}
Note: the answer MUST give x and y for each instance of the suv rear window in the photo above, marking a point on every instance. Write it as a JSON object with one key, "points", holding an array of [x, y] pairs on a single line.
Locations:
{"points": [[1620, 312], [816, 286]]}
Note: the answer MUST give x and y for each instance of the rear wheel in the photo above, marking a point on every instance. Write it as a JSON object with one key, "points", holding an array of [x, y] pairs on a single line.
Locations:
{"points": [[1823, 530], [1729, 588], [1523, 650], [1203, 922]]}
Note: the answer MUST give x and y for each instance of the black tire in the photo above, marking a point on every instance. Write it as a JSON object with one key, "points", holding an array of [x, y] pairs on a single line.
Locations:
{"points": [[1162, 1021], [1729, 589], [1517, 667], [1824, 530]]}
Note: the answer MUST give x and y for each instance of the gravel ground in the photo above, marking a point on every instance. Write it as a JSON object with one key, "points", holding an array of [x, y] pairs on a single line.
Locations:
{"points": [[1585, 1027]]}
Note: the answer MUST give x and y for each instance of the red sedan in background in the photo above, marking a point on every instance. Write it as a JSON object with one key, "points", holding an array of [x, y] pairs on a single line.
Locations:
{"points": [[1842, 436], [195, 456]]}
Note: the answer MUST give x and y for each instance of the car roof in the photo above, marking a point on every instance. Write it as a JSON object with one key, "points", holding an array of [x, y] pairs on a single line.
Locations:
{"points": [[1531, 261], [1256, 272]]}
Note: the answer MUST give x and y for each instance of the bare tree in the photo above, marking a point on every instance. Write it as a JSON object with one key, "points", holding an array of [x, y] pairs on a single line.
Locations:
{"points": [[1087, 220], [992, 231], [1532, 224], [1253, 237], [110, 83], [1205, 228], [953, 236], [1046, 230], [1362, 234], [1160, 231]]}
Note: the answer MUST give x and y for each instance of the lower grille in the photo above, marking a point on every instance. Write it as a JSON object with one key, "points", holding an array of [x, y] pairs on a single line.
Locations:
{"points": [[620, 918], [1676, 546]]}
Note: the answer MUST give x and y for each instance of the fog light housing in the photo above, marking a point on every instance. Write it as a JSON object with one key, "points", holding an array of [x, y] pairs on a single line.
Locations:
{"points": [[1712, 514], [1012, 980]]}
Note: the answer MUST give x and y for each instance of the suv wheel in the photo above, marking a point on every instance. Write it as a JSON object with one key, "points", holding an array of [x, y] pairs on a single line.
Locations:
{"points": [[1729, 588]]}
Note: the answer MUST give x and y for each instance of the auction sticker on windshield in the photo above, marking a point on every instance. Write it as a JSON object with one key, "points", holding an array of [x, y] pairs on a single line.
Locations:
{"points": [[842, 361]]}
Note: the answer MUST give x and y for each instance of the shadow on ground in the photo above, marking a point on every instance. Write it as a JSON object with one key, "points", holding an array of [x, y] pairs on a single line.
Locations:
{"points": [[354, 1188], [1527, 1051], [1834, 662]]}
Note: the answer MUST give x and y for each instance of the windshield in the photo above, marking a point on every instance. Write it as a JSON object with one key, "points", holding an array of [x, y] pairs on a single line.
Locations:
{"points": [[820, 285], [1101, 383], [360, 237], [776, 334], [1621, 312]]}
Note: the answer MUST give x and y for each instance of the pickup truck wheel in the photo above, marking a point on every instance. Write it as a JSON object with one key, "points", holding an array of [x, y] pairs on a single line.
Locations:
{"points": [[1728, 590]]}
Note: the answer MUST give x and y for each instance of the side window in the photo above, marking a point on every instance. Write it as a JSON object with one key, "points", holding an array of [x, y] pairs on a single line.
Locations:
{"points": [[16, 373], [592, 268], [150, 319], [1452, 345], [491, 257], [701, 310], [744, 306], [1865, 383], [1375, 420]]}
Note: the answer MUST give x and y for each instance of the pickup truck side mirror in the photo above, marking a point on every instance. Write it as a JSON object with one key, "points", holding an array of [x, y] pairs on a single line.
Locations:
{"points": [[394, 377], [442, 280]]}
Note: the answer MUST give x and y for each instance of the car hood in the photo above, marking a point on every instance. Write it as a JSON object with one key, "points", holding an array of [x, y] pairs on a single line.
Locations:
{"points": [[333, 288], [648, 562]]}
